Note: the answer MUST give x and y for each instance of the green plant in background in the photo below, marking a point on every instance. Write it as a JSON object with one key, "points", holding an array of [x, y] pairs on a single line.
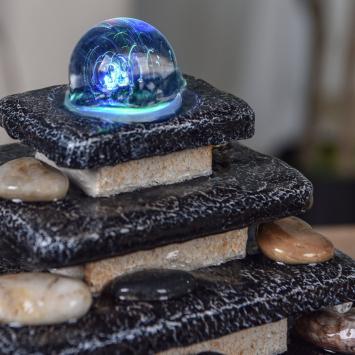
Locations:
{"points": [[326, 156], [328, 147]]}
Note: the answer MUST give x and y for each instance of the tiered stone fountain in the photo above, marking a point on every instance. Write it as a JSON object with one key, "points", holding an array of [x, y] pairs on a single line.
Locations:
{"points": [[132, 222]]}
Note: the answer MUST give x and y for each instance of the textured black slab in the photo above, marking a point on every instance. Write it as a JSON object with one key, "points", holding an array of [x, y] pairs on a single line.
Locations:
{"points": [[237, 295], [38, 119], [298, 346], [246, 187]]}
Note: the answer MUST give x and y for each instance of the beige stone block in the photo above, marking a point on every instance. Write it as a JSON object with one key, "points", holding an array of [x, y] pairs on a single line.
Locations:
{"points": [[137, 174], [267, 339], [190, 255]]}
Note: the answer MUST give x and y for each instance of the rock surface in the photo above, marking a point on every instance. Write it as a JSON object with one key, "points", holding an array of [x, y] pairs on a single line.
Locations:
{"points": [[246, 187], [329, 330], [298, 346], [237, 295], [265, 339], [133, 175], [38, 119], [28, 179], [293, 241], [41, 298], [191, 255]]}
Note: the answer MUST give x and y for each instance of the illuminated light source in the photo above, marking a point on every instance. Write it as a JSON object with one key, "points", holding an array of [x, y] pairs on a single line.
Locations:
{"points": [[111, 72], [124, 70], [128, 114]]}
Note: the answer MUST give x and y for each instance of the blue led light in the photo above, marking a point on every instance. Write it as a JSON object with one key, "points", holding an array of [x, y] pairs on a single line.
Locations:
{"points": [[128, 114], [125, 70], [111, 73]]}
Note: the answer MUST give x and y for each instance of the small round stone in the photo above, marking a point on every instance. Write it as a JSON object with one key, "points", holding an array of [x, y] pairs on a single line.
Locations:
{"points": [[151, 285], [42, 298], [293, 241], [28, 179], [329, 330]]}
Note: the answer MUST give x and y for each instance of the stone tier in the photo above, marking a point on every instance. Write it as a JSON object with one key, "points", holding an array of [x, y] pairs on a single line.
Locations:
{"points": [[235, 296], [245, 187], [38, 118], [297, 346]]}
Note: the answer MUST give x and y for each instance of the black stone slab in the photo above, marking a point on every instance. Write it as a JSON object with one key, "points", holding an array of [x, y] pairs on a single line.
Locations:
{"points": [[234, 296], [246, 187], [298, 346], [38, 119]]}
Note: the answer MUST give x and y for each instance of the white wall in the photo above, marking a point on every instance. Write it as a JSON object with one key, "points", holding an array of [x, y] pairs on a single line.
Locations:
{"points": [[256, 49], [37, 37]]}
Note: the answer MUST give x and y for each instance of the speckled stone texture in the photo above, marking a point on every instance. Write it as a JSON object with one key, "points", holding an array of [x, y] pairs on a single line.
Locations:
{"points": [[245, 188], [208, 117], [234, 296]]}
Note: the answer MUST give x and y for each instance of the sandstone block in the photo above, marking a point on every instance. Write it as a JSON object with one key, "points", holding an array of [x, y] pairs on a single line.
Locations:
{"points": [[137, 174], [193, 254]]}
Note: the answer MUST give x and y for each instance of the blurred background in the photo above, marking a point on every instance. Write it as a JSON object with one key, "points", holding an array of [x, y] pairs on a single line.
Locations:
{"points": [[292, 61]]}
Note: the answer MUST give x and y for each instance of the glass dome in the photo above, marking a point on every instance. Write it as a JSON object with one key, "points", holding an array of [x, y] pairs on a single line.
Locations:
{"points": [[124, 70]]}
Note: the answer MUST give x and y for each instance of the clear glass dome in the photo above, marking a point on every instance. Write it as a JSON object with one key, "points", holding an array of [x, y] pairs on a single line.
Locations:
{"points": [[125, 70]]}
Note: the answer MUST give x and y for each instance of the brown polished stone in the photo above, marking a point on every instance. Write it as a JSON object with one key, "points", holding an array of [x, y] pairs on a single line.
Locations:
{"points": [[329, 330], [28, 179], [292, 241]]}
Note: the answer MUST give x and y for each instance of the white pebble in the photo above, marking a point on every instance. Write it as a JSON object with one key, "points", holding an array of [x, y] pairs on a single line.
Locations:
{"points": [[42, 298], [28, 179]]}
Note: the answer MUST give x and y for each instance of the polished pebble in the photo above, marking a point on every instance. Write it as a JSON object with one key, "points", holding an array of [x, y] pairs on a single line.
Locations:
{"points": [[42, 298], [329, 330], [151, 285], [28, 179], [293, 241]]}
